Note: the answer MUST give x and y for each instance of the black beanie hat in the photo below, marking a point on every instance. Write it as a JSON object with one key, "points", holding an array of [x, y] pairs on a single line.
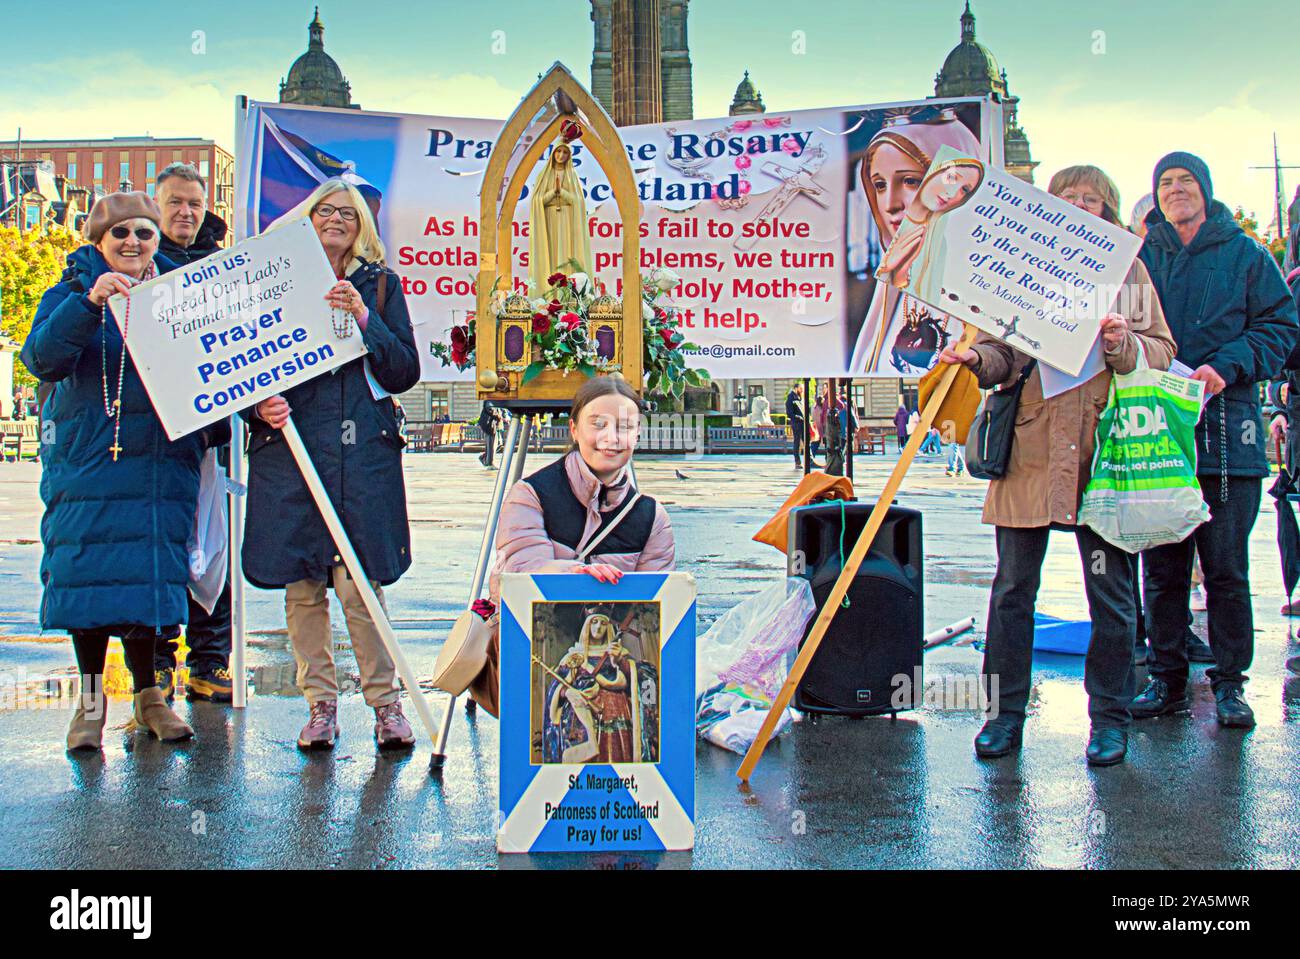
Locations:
{"points": [[1193, 165]]}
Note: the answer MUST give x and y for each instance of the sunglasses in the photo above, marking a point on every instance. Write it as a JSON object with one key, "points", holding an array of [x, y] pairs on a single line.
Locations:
{"points": [[142, 233], [325, 211]]}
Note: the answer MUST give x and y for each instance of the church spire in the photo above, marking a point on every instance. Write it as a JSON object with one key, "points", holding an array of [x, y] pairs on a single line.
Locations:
{"points": [[968, 25], [316, 33]]}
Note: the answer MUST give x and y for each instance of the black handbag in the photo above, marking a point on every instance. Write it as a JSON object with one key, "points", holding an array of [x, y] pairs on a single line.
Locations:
{"points": [[988, 445]]}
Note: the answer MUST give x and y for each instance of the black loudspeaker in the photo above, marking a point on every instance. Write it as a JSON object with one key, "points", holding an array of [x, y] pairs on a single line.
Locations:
{"points": [[870, 660]]}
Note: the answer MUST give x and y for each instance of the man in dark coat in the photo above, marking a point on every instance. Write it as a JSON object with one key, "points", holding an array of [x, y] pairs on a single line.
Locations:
{"points": [[487, 422], [795, 419], [190, 231], [1235, 324]]}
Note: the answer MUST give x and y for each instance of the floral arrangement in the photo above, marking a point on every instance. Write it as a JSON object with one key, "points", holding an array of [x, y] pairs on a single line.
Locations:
{"points": [[560, 337]]}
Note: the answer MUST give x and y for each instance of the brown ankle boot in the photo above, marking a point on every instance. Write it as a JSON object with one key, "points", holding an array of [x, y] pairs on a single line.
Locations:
{"points": [[86, 731], [152, 712]]}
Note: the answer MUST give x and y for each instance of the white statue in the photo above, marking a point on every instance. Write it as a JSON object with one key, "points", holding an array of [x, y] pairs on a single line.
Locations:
{"points": [[760, 412]]}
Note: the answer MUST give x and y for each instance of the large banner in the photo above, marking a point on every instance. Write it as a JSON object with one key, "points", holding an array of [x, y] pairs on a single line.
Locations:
{"points": [[775, 223]]}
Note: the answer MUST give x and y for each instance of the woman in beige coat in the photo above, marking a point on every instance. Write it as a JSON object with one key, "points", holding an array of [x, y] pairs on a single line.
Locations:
{"points": [[1051, 461]]}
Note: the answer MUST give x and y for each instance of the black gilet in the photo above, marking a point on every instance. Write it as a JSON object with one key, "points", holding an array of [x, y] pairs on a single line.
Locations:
{"points": [[565, 515]]}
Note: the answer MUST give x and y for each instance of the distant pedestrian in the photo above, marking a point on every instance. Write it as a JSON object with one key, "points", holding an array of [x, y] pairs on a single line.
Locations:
{"points": [[794, 418], [487, 424], [900, 425]]}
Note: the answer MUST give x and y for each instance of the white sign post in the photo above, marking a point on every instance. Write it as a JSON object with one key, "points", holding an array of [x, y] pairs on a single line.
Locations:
{"points": [[239, 327], [1018, 263]]}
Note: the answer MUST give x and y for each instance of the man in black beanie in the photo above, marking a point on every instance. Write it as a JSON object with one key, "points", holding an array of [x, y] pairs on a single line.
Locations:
{"points": [[1235, 324]]}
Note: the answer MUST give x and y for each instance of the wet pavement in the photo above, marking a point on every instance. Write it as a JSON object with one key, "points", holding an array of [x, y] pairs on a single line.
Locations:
{"points": [[833, 792]]}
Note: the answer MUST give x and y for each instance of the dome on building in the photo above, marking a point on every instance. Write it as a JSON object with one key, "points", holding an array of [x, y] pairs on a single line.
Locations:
{"points": [[970, 69], [315, 79], [747, 99]]}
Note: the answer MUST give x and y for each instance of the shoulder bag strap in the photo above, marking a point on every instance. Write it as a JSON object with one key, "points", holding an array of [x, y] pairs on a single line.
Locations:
{"points": [[587, 550]]}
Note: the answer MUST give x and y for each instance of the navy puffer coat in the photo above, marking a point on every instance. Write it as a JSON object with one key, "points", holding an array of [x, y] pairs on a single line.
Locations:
{"points": [[354, 443], [114, 532]]}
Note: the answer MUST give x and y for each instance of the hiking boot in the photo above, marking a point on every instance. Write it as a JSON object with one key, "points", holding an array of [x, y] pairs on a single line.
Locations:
{"points": [[86, 731], [322, 728], [392, 731], [153, 713], [1156, 699], [166, 680], [215, 686], [1231, 707]]}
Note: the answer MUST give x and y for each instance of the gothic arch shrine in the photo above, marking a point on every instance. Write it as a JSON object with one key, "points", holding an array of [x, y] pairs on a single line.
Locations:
{"points": [[499, 340]]}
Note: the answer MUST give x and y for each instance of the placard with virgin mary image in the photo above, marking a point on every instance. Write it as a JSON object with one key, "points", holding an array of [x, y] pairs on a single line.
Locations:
{"points": [[890, 150]]}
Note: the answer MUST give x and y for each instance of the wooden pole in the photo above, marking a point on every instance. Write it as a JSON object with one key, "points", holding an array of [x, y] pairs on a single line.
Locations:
{"points": [[353, 564], [841, 587]]}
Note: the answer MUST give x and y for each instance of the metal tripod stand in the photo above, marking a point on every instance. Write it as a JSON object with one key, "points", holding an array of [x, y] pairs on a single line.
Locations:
{"points": [[513, 455]]}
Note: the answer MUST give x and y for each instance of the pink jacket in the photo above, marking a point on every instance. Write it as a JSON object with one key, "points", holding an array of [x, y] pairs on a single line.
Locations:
{"points": [[523, 546]]}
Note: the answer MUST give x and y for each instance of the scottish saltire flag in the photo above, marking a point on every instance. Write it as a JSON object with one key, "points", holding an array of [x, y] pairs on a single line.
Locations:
{"points": [[287, 167], [597, 713]]}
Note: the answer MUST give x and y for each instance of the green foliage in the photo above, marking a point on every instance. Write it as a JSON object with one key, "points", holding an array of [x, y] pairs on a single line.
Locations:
{"points": [[30, 264]]}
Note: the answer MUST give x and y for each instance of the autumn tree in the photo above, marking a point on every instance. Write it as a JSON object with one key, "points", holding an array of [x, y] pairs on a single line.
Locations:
{"points": [[30, 263]]}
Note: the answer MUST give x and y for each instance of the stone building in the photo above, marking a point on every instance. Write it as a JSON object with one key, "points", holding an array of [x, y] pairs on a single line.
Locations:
{"points": [[674, 81], [970, 70], [315, 80]]}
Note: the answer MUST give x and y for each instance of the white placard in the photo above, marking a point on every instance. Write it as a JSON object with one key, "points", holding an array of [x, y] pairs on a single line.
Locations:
{"points": [[1024, 266], [235, 328]]}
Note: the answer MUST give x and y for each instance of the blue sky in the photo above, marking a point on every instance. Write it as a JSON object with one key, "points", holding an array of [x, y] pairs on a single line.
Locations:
{"points": [[1113, 82]]}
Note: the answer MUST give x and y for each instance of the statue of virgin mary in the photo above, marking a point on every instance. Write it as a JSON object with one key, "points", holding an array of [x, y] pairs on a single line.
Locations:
{"points": [[557, 222]]}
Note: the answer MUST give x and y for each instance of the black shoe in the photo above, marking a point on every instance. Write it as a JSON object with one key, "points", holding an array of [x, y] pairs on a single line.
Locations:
{"points": [[1107, 746], [997, 739], [1198, 650], [1156, 699], [1231, 706]]}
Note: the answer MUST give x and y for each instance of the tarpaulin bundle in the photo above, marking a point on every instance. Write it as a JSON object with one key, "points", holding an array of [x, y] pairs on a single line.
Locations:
{"points": [[813, 488]]}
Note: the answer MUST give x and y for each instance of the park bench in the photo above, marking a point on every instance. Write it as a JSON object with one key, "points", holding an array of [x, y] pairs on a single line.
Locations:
{"points": [[871, 439], [19, 438], [748, 439], [419, 437]]}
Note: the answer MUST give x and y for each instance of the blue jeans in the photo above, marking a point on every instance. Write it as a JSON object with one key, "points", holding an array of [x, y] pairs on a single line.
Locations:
{"points": [[956, 458]]}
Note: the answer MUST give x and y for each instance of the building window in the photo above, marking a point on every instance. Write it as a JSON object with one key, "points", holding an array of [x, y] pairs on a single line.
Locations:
{"points": [[439, 406], [32, 216], [124, 170], [151, 170], [72, 170], [203, 169], [99, 168], [149, 187], [860, 399]]}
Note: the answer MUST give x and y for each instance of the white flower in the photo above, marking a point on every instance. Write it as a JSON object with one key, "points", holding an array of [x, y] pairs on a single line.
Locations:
{"points": [[539, 304], [579, 281], [663, 279], [647, 311]]}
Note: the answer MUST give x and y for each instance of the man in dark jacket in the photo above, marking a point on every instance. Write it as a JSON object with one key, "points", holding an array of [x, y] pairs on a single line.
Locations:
{"points": [[794, 418], [487, 422], [190, 231], [1235, 324]]}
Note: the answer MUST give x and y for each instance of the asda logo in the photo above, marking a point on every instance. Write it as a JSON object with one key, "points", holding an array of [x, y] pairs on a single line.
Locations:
{"points": [[1138, 421]]}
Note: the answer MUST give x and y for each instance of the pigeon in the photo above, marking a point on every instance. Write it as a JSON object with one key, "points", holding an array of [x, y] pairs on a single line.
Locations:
{"points": [[680, 474]]}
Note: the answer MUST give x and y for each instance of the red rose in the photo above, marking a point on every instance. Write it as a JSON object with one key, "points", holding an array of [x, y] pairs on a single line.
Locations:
{"points": [[659, 313], [541, 323], [571, 321], [667, 336], [557, 279], [554, 307], [570, 130], [459, 356]]}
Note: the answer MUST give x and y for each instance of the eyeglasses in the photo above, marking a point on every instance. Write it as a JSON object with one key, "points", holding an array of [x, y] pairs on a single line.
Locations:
{"points": [[1089, 199], [325, 211], [142, 233]]}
